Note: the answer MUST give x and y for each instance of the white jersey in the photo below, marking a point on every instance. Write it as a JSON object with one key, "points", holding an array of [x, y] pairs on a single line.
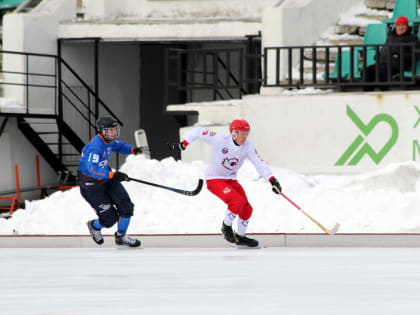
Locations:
{"points": [[227, 157]]}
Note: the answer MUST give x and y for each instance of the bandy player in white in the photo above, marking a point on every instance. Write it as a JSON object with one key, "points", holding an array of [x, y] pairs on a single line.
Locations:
{"points": [[228, 154]]}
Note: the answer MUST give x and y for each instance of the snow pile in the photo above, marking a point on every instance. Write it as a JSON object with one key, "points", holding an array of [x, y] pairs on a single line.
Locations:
{"points": [[356, 16], [383, 201], [353, 16], [306, 91]]}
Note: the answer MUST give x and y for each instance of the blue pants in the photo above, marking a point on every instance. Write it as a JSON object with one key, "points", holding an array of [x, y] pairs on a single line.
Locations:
{"points": [[109, 200]]}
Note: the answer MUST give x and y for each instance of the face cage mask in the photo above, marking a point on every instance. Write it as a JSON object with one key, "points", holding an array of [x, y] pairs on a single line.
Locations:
{"points": [[108, 131]]}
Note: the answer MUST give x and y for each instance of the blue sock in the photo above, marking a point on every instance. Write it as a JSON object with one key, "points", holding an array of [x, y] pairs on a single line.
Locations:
{"points": [[97, 225], [123, 225]]}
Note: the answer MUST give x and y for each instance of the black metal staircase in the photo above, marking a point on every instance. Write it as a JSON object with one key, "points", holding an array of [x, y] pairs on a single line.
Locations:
{"points": [[55, 141], [72, 109]]}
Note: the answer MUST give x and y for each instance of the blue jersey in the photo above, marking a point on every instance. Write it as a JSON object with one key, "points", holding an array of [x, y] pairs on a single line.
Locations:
{"points": [[95, 155]]}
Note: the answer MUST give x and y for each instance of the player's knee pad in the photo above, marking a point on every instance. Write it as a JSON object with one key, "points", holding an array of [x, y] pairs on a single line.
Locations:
{"points": [[126, 208], [109, 217]]}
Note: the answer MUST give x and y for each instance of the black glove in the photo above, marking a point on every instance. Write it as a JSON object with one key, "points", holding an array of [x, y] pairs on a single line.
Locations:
{"points": [[176, 146], [275, 183], [139, 150], [120, 176]]}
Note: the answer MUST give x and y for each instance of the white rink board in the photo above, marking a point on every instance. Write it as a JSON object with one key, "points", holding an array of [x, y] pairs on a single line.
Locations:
{"points": [[216, 241], [309, 133]]}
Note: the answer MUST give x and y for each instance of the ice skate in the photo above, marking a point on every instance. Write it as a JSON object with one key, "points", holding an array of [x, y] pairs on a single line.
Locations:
{"points": [[125, 240], [245, 242], [96, 234], [227, 233]]}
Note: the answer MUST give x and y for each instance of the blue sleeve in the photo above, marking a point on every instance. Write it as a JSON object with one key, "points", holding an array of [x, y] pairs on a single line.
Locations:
{"points": [[122, 147], [92, 163]]}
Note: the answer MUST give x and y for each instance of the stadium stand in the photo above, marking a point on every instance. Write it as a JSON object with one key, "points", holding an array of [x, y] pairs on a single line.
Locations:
{"points": [[407, 8], [375, 34]]}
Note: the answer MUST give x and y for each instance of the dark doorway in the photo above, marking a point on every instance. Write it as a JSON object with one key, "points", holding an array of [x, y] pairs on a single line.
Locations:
{"points": [[182, 72], [160, 127], [133, 78]]}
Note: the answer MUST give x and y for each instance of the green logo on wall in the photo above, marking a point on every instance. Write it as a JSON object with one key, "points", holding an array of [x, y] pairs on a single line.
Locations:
{"points": [[366, 148]]}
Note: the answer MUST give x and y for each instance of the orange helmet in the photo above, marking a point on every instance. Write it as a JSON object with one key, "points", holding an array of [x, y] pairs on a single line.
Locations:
{"points": [[239, 124]]}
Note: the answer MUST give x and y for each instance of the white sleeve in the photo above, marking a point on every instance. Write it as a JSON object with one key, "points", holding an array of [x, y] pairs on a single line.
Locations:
{"points": [[259, 164], [202, 134]]}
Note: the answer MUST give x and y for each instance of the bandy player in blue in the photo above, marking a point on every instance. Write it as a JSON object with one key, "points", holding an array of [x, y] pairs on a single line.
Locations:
{"points": [[102, 188]]}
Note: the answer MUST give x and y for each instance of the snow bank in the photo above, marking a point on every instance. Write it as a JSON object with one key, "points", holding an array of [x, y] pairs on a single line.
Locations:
{"points": [[383, 201]]}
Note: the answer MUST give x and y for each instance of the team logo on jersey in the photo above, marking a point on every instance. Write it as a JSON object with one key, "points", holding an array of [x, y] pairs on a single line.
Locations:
{"points": [[205, 132], [226, 190], [225, 150], [103, 163], [230, 164]]}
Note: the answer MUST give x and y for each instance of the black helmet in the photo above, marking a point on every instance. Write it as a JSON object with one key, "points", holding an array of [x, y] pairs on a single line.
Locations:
{"points": [[106, 125]]}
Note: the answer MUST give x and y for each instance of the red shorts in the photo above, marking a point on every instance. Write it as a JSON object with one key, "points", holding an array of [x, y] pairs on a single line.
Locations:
{"points": [[232, 193]]}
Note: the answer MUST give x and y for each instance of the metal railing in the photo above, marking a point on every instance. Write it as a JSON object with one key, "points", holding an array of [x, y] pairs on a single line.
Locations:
{"points": [[46, 86], [78, 104], [211, 74], [42, 84], [336, 66]]}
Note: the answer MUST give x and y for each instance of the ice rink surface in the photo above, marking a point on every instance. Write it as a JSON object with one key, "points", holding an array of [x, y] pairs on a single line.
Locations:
{"points": [[46, 281]]}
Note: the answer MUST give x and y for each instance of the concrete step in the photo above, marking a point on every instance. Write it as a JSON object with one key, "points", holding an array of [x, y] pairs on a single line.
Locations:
{"points": [[357, 25], [347, 42], [347, 29], [358, 30], [347, 34], [374, 18], [380, 4], [320, 56], [319, 69], [217, 113]]}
